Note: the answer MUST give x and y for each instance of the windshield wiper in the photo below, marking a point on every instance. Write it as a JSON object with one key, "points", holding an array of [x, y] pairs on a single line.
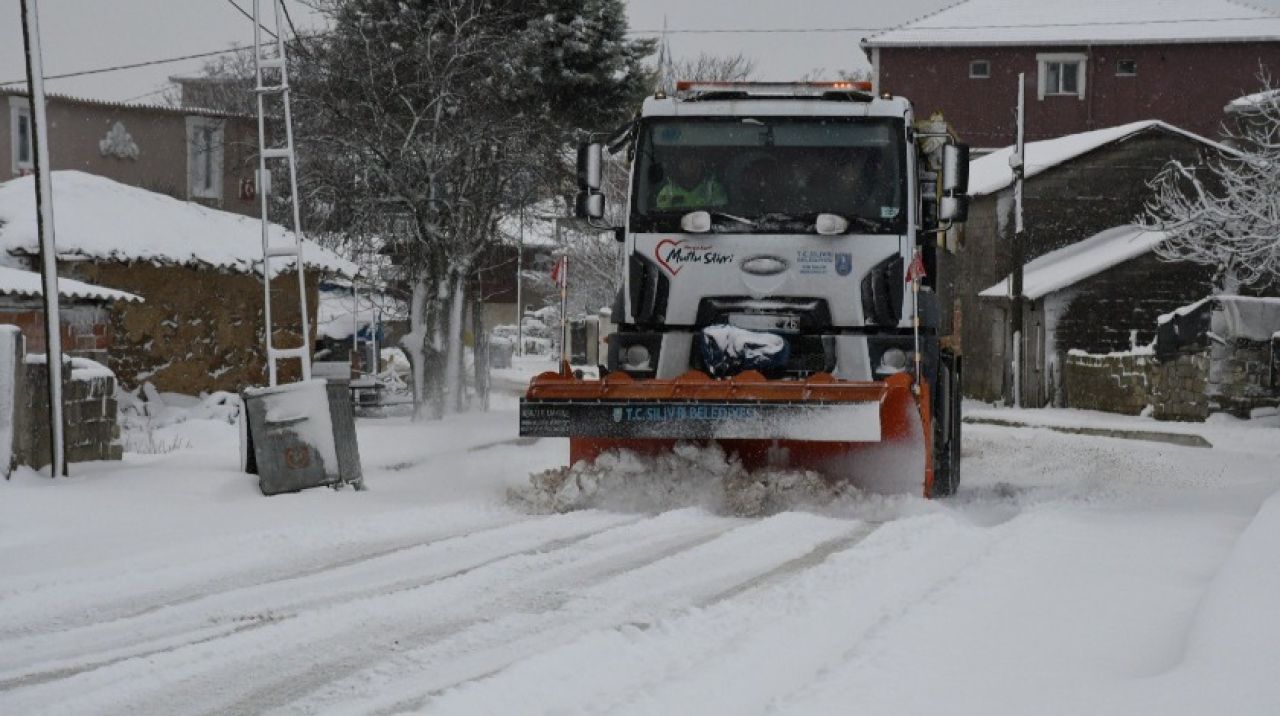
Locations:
{"points": [[865, 223], [732, 217]]}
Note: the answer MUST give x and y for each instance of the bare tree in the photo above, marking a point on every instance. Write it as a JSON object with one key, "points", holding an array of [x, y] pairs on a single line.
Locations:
{"points": [[702, 68], [1226, 213]]}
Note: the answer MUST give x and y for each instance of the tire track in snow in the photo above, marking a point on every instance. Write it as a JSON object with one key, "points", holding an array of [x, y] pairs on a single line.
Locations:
{"points": [[664, 586], [211, 672], [165, 629], [665, 665], [29, 612]]}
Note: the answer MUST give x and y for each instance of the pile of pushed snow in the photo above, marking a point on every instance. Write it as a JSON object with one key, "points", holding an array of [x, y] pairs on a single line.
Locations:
{"points": [[146, 404], [687, 476]]}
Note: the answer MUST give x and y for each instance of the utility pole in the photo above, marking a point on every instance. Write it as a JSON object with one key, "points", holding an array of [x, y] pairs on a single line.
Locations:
{"points": [[44, 224], [1017, 163], [520, 288]]}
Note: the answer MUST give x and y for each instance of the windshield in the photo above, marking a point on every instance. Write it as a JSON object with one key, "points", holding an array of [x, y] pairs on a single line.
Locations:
{"points": [[776, 173]]}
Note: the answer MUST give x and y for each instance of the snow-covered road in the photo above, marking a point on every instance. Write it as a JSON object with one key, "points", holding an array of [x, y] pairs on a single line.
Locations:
{"points": [[1072, 574]]}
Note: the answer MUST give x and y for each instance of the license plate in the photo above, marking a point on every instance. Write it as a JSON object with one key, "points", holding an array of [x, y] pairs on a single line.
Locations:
{"points": [[765, 322]]}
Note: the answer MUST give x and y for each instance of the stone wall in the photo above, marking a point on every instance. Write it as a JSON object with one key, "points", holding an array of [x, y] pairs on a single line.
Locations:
{"points": [[1232, 377], [1240, 377], [1179, 388], [89, 411], [200, 329], [1114, 383]]}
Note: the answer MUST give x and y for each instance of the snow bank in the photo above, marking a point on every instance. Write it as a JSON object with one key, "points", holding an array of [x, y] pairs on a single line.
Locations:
{"points": [[98, 218]]}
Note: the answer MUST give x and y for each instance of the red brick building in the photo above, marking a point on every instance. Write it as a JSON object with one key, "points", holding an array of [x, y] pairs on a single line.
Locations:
{"points": [[1088, 64]]}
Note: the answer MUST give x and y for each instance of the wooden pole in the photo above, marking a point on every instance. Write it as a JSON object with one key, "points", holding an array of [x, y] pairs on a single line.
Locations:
{"points": [[1017, 302], [44, 224]]}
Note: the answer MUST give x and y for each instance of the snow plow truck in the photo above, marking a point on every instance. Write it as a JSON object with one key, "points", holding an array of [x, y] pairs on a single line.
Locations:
{"points": [[780, 289]]}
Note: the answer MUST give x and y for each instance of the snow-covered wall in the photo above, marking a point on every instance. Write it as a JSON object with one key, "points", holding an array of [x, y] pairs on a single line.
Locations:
{"points": [[89, 409], [1114, 383]]}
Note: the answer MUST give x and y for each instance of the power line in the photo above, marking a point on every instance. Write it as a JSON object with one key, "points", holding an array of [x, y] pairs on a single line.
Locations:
{"points": [[289, 18], [242, 11], [133, 66]]}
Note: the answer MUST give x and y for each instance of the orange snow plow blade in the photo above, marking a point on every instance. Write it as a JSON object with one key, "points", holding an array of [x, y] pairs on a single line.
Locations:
{"points": [[840, 429]]}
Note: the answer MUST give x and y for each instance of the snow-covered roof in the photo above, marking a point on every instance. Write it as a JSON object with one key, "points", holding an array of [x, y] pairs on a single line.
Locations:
{"points": [[1067, 266], [98, 218], [1083, 22], [20, 90], [991, 173], [17, 282], [1253, 101], [1249, 317]]}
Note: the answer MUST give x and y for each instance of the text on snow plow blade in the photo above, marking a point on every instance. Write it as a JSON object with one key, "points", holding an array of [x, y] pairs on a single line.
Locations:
{"points": [[820, 423]]}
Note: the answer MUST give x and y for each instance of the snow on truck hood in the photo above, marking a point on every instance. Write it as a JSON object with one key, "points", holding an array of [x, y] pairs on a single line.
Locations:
{"points": [[96, 217]]}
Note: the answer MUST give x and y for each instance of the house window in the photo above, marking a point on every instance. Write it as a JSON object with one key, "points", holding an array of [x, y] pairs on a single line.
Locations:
{"points": [[1126, 68], [1061, 74], [980, 69], [204, 157], [20, 138]]}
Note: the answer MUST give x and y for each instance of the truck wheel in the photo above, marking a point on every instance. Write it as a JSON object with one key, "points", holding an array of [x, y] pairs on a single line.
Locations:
{"points": [[946, 426]]}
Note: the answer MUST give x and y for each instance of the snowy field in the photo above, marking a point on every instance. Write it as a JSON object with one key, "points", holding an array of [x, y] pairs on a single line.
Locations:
{"points": [[1071, 575]]}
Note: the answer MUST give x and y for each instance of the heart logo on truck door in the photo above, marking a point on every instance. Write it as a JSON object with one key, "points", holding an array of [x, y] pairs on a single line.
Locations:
{"points": [[659, 254], [672, 255]]}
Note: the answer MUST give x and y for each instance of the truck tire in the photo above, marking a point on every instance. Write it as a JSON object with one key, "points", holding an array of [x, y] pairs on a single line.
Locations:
{"points": [[946, 426]]}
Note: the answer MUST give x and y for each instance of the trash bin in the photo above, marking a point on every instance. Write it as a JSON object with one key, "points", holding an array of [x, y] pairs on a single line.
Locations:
{"points": [[300, 435]]}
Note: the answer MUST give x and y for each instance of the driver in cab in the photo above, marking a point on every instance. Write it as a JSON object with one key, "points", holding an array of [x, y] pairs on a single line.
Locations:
{"points": [[690, 185]]}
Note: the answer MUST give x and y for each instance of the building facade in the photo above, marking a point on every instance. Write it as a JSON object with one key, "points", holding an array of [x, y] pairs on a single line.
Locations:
{"points": [[1088, 64], [191, 154], [1080, 188]]}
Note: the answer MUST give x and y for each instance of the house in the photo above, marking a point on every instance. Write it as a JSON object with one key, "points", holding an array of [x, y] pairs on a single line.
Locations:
{"points": [[199, 270], [198, 155], [1089, 63], [84, 315], [1089, 277]]}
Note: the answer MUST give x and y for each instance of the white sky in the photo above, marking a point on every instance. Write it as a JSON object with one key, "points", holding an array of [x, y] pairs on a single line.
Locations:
{"points": [[84, 34]]}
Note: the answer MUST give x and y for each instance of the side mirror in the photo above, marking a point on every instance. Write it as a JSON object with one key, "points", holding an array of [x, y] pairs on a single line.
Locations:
{"points": [[954, 209], [955, 169], [588, 205], [589, 162]]}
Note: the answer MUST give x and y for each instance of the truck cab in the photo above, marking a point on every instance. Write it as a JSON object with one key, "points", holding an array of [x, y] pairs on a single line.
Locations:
{"points": [[787, 209]]}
